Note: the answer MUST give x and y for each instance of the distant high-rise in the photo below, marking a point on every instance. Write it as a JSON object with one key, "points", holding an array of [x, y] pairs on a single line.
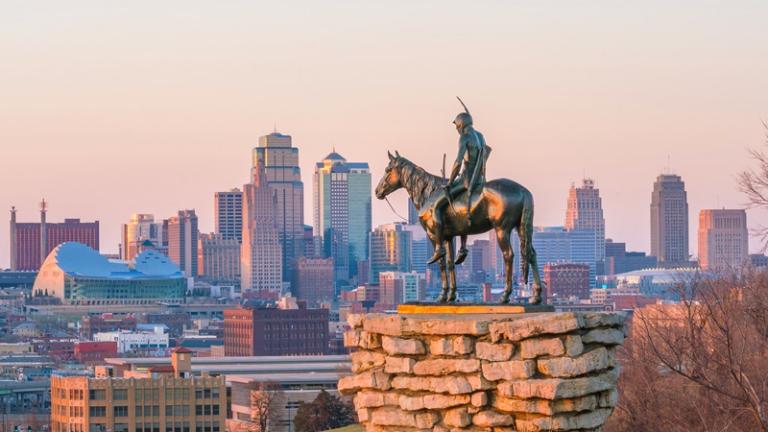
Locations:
{"points": [[219, 260], [390, 250], [669, 220], [281, 165], [342, 211], [565, 280], [140, 229], [31, 242], [228, 210], [585, 212], [261, 258], [314, 280], [723, 239], [413, 214], [555, 245], [182, 241]]}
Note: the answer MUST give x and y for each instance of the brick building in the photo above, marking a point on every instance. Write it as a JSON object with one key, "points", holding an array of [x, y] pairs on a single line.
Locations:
{"points": [[314, 280], [94, 352], [564, 280], [274, 332]]}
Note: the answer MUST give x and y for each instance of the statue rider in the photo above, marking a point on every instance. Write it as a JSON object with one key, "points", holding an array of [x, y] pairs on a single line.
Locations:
{"points": [[462, 183]]}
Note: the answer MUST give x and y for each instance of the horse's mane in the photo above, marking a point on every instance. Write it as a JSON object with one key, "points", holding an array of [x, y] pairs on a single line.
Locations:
{"points": [[418, 182]]}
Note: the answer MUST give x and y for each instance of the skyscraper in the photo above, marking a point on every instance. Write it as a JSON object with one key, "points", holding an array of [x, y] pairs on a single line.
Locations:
{"points": [[342, 211], [261, 263], [182, 241], [281, 165], [585, 212], [669, 220], [31, 242], [390, 250], [314, 280], [228, 208], [413, 214], [140, 229], [723, 239]]}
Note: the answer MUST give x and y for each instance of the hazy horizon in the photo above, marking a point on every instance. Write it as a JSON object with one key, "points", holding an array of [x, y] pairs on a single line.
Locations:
{"points": [[114, 108]]}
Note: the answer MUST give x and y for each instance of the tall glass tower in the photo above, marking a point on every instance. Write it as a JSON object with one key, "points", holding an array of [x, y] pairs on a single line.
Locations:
{"points": [[342, 212]]}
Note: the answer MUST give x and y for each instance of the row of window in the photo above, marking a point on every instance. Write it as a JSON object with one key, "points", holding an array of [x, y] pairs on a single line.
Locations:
{"points": [[154, 410]]}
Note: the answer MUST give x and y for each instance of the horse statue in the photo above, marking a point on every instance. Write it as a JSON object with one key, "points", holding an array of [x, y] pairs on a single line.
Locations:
{"points": [[502, 205]]}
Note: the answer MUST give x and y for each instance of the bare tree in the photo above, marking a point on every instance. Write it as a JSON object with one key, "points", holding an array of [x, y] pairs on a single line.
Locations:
{"points": [[267, 401], [754, 184], [699, 364]]}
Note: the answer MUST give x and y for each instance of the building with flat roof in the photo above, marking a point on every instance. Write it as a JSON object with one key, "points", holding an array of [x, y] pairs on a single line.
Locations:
{"points": [[182, 241], [723, 239], [142, 232], [255, 332], [228, 212], [160, 399], [77, 274], [314, 280], [563, 281], [669, 220], [31, 242]]}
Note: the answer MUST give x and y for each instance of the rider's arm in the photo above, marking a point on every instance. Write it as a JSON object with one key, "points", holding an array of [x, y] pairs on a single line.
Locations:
{"points": [[457, 164]]}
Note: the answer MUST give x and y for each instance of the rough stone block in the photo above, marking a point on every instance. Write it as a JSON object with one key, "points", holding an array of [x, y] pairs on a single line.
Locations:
{"points": [[451, 346], [536, 325], [389, 416], [395, 365], [557, 388], [532, 348], [365, 380], [441, 401], [573, 345], [438, 367], [452, 326], [365, 360], [585, 420], [604, 319], [395, 346], [509, 370], [584, 403], [604, 336], [361, 339], [567, 367], [608, 399], [355, 320], [448, 384], [479, 399], [494, 352], [479, 383], [527, 406], [457, 417], [490, 418]]}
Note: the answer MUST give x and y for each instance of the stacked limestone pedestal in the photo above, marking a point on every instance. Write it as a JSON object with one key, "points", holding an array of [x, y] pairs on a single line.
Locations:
{"points": [[484, 372]]}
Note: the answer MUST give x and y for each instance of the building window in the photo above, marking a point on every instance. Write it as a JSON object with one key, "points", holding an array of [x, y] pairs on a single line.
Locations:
{"points": [[97, 395], [121, 427], [97, 411], [120, 411], [120, 394], [96, 427]]}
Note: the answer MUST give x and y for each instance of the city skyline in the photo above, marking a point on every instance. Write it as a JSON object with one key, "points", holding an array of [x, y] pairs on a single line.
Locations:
{"points": [[180, 111]]}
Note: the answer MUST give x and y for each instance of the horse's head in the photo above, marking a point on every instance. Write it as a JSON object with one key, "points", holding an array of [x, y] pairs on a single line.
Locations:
{"points": [[392, 180]]}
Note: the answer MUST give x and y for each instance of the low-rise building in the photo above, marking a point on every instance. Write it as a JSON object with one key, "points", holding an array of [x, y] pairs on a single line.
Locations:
{"points": [[168, 399], [138, 341], [253, 332]]}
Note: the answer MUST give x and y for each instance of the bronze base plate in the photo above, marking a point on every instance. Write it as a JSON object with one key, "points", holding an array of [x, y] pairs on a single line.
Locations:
{"points": [[471, 308]]}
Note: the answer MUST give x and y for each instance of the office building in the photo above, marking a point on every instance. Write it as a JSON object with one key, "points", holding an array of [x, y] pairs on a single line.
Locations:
{"points": [[556, 245], [281, 166], [140, 229], [342, 211], [261, 258], [275, 332], [585, 212], [31, 242], [390, 250], [136, 341], [723, 239], [401, 287], [157, 399], [619, 260], [78, 275], [565, 281], [669, 220], [228, 212], [183, 242], [314, 280], [219, 260]]}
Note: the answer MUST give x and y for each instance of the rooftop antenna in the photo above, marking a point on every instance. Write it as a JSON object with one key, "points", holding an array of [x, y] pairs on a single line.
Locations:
{"points": [[669, 166]]}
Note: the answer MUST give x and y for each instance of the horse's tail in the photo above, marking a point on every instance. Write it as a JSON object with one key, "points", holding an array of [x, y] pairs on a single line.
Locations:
{"points": [[525, 232]]}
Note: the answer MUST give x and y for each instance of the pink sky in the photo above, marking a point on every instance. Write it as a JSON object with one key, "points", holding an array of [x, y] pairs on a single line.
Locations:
{"points": [[110, 108]]}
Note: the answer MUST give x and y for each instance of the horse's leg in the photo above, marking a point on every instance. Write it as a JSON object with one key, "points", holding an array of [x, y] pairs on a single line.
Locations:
{"points": [[451, 270], [444, 279], [536, 298], [502, 236], [463, 252]]}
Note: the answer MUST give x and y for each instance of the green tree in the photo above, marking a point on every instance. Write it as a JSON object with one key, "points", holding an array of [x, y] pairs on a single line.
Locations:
{"points": [[325, 412]]}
